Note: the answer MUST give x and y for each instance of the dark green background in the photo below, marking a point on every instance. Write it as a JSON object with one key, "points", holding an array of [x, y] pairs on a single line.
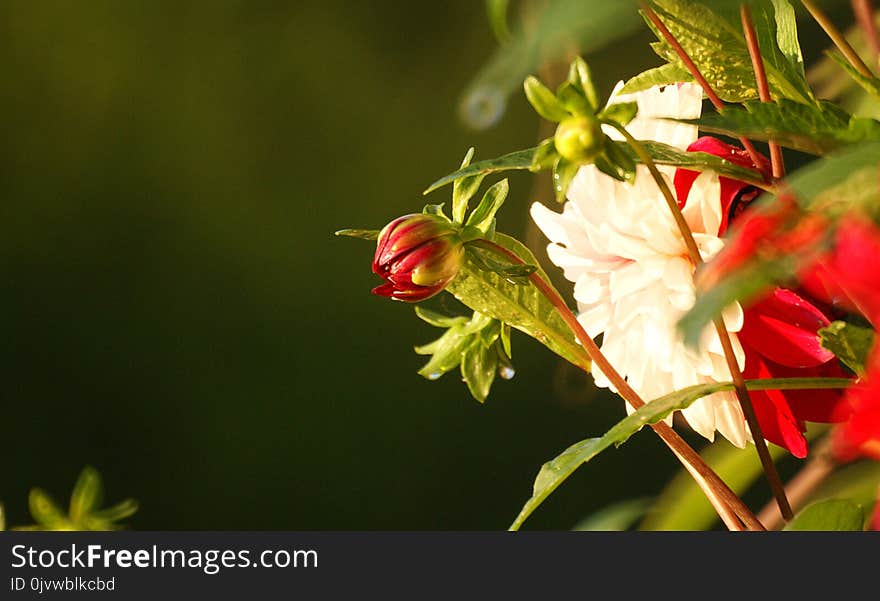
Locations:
{"points": [[177, 312]]}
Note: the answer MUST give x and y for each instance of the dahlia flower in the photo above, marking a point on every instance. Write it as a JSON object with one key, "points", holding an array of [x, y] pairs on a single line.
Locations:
{"points": [[619, 244], [633, 281]]}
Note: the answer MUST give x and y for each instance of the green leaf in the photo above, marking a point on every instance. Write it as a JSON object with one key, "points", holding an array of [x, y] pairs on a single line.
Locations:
{"points": [[787, 35], [363, 234], [717, 47], [615, 518], [520, 159], [554, 31], [555, 472], [483, 216], [447, 351], [856, 481], [438, 320], [658, 76], [521, 306], [497, 13], [544, 156], [87, 494], [869, 84], [505, 340], [816, 129], [846, 179], [849, 343], [471, 344], [622, 112], [682, 505], [833, 514], [478, 366], [543, 100], [515, 273], [664, 154], [748, 282], [463, 189], [837, 184]]}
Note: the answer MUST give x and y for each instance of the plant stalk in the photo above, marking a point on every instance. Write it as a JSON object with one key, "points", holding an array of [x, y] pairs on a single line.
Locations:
{"points": [[864, 12], [776, 162], [695, 73], [838, 38], [735, 514], [742, 393], [799, 488]]}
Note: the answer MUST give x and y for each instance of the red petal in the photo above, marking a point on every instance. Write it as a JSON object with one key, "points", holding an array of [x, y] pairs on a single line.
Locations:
{"points": [[778, 423], [730, 188], [856, 265], [860, 436], [783, 327]]}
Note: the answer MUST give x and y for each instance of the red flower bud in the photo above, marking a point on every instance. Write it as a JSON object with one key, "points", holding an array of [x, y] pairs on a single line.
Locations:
{"points": [[417, 256]]}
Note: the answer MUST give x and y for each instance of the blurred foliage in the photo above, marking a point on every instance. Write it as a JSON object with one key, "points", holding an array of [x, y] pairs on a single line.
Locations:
{"points": [[84, 512]]}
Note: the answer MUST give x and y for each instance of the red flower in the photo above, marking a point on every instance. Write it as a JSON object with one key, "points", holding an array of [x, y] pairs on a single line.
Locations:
{"points": [[860, 435], [735, 194], [417, 255], [779, 336], [780, 331], [849, 275]]}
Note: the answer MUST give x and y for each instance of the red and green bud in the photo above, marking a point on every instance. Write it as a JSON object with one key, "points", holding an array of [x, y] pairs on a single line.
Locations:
{"points": [[579, 139], [417, 256]]}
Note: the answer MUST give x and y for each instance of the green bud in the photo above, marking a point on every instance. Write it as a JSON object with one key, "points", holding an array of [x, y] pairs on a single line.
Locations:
{"points": [[579, 139]]}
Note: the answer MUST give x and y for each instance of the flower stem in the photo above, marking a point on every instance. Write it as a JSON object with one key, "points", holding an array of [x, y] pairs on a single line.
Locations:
{"points": [[776, 162], [838, 38], [799, 488], [695, 73], [735, 514], [742, 393], [865, 15]]}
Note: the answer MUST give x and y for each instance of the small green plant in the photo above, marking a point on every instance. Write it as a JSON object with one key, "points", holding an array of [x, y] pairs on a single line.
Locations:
{"points": [[84, 511]]}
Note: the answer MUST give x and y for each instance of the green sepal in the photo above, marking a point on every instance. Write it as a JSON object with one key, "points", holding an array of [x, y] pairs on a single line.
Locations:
{"points": [[563, 172], [543, 100], [621, 112], [464, 188], [482, 217], [545, 156], [617, 163], [436, 210], [579, 75], [572, 98], [355, 233]]}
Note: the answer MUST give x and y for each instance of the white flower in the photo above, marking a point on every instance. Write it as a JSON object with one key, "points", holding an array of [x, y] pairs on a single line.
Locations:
{"points": [[619, 244]]}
